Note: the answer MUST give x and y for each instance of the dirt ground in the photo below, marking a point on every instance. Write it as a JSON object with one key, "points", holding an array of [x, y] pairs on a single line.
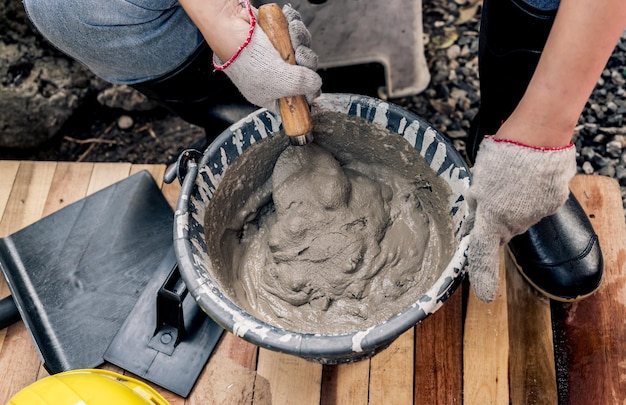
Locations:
{"points": [[99, 133]]}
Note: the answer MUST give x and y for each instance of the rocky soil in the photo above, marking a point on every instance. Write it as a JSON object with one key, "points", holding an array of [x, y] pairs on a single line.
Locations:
{"points": [[54, 109]]}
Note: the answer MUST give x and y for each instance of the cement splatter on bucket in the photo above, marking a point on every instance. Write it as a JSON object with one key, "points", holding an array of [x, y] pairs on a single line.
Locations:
{"points": [[343, 124]]}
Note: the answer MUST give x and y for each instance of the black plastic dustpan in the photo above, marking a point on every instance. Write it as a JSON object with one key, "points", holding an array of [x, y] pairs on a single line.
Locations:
{"points": [[76, 274]]}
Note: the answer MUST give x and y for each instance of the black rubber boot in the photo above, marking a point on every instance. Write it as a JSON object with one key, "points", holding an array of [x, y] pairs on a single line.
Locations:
{"points": [[560, 256], [198, 94]]}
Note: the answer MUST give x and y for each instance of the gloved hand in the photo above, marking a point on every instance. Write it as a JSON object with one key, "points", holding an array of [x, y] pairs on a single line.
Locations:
{"points": [[261, 74], [513, 187]]}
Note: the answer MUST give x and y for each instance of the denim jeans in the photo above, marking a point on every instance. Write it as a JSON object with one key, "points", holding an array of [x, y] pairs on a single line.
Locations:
{"points": [[546, 5], [122, 41]]}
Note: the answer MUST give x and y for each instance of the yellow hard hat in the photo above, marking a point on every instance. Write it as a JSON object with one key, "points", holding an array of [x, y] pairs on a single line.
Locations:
{"points": [[88, 387]]}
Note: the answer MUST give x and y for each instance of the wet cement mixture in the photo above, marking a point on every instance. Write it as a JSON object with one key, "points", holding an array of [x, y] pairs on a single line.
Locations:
{"points": [[336, 236]]}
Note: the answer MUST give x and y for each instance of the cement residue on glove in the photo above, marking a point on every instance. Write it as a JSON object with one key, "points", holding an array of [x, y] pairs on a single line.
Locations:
{"points": [[324, 247]]}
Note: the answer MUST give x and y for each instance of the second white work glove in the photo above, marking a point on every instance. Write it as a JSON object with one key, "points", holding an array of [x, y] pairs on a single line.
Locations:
{"points": [[513, 187], [261, 74]]}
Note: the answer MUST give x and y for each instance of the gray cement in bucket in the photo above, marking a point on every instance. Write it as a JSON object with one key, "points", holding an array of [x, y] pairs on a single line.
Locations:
{"points": [[332, 237]]}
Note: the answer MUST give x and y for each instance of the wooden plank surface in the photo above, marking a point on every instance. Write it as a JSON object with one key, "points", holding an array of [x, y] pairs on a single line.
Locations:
{"points": [[391, 372], [230, 375], [486, 349], [439, 355], [346, 383], [9, 171], [157, 172], [468, 352], [69, 184], [593, 331], [105, 174], [532, 375], [19, 361], [27, 197], [171, 192], [291, 380]]}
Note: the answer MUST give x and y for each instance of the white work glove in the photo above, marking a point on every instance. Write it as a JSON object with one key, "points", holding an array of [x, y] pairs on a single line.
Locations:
{"points": [[261, 74], [513, 187]]}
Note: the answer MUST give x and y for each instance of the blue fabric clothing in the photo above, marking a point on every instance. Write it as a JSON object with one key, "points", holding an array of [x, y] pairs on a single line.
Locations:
{"points": [[545, 5], [122, 41]]}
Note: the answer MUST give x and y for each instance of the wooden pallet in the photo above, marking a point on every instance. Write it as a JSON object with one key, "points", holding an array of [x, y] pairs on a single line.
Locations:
{"points": [[521, 349]]}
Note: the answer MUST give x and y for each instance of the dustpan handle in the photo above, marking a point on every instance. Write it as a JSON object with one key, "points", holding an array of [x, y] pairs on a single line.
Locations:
{"points": [[9, 313], [170, 315], [170, 300]]}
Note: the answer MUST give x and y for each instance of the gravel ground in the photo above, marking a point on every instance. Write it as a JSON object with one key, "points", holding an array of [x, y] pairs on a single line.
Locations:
{"points": [[103, 131]]}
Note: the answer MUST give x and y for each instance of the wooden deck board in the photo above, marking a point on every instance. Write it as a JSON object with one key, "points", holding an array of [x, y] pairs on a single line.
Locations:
{"points": [[9, 171], [19, 361], [346, 383], [105, 174], [468, 352], [292, 380], [69, 184], [532, 375], [439, 355], [391, 372], [594, 330], [486, 349]]}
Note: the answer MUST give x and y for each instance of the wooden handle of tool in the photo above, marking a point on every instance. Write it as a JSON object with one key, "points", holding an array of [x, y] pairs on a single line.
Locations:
{"points": [[294, 110]]}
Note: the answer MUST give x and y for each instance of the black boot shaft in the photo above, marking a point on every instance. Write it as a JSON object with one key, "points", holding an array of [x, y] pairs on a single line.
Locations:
{"points": [[512, 37]]}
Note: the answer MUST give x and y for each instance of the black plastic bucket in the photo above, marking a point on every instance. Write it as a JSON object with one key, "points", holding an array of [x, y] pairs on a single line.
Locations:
{"points": [[201, 174]]}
